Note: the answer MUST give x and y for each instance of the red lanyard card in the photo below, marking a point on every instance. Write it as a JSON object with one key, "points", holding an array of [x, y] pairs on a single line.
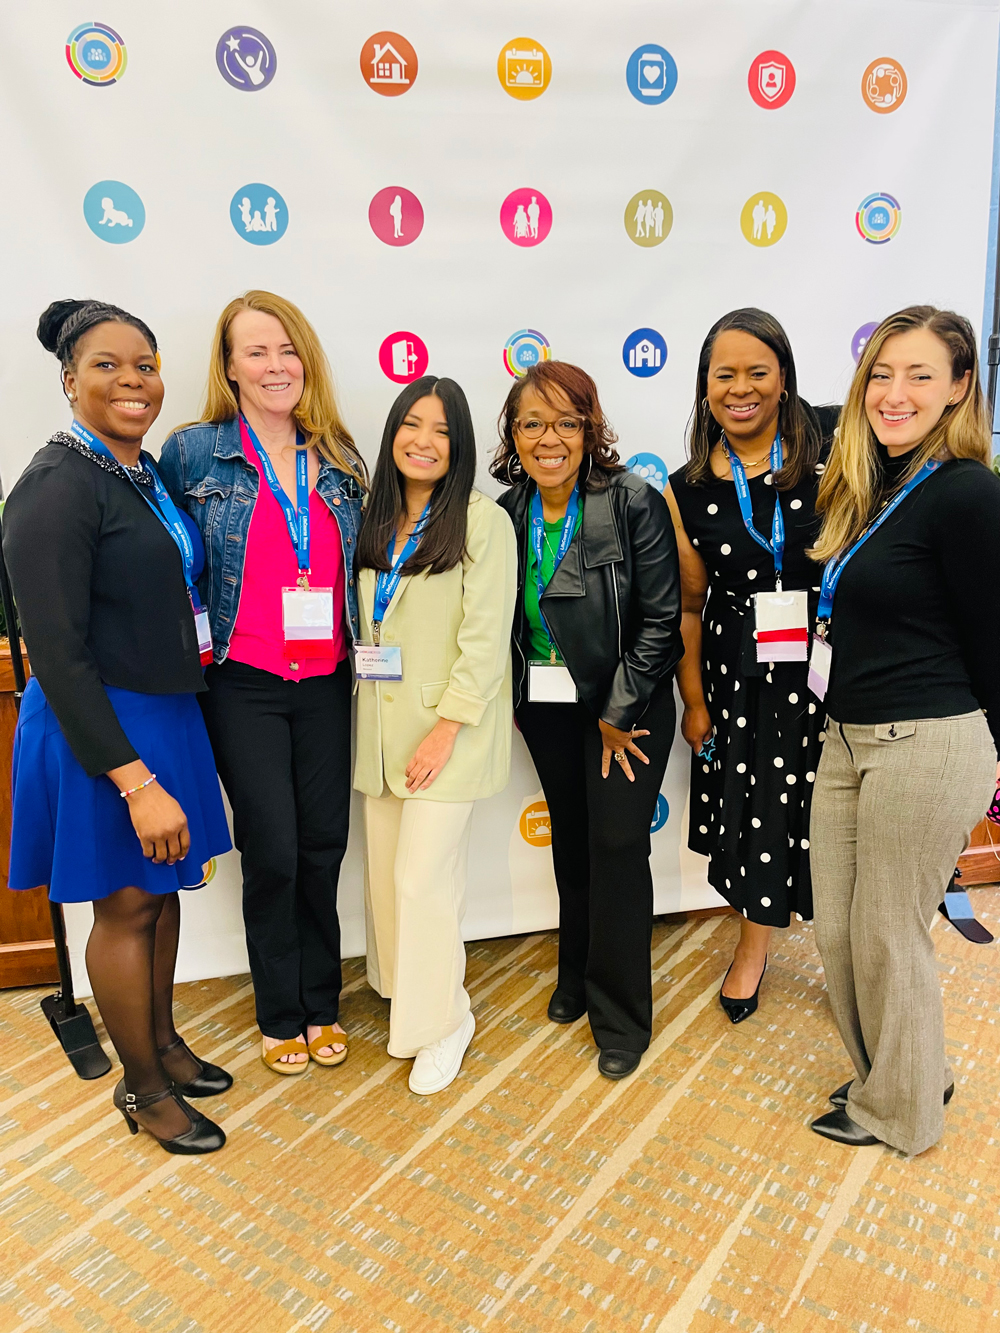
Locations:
{"points": [[307, 620]]}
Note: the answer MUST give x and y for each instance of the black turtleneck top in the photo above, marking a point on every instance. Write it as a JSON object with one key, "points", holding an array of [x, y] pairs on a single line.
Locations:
{"points": [[916, 615]]}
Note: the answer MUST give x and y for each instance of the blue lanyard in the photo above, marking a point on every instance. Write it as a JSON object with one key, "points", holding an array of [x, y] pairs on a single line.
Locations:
{"points": [[776, 546], [538, 540], [387, 580], [297, 515], [164, 508], [836, 567]]}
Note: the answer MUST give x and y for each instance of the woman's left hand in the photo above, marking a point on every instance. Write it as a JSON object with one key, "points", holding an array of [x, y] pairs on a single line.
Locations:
{"points": [[617, 743], [432, 754]]}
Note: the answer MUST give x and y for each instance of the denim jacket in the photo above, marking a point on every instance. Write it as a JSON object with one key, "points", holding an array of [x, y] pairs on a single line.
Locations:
{"points": [[207, 474]]}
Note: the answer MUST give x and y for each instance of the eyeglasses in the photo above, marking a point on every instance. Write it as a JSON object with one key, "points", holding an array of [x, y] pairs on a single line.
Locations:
{"points": [[533, 429]]}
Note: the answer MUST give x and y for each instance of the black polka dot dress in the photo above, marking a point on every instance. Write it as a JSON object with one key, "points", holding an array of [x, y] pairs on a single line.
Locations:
{"points": [[750, 803]]}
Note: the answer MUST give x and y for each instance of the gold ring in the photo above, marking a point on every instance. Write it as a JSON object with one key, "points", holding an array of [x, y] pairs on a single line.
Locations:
{"points": [[620, 756]]}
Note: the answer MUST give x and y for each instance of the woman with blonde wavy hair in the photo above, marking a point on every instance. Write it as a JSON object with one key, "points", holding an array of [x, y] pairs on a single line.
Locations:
{"points": [[274, 481], [907, 660]]}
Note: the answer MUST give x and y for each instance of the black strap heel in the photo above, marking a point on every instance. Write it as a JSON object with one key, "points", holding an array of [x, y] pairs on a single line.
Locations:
{"points": [[210, 1079], [204, 1135]]}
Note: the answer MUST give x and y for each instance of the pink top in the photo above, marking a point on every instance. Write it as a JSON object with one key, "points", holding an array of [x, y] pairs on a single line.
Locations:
{"points": [[270, 565]]}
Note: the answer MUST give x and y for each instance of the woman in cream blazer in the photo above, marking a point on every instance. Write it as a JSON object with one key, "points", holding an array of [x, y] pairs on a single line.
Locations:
{"points": [[436, 584]]}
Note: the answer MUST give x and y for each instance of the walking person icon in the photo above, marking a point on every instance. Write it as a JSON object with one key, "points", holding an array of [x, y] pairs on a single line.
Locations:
{"points": [[770, 220], [533, 212], [759, 215], [658, 219], [396, 213], [640, 219]]}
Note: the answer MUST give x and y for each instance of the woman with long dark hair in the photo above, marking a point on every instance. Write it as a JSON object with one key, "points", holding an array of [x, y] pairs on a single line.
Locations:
{"points": [[907, 663], [596, 638], [115, 801], [744, 510], [436, 588]]}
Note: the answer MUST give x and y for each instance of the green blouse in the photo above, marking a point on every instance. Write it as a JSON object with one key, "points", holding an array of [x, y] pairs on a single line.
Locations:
{"points": [[540, 643]]}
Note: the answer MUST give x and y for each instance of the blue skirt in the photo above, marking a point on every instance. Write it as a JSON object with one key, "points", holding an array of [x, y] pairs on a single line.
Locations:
{"points": [[74, 833]]}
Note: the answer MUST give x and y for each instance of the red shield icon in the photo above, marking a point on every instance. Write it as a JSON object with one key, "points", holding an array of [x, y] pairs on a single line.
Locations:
{"points": [[771, 81]]}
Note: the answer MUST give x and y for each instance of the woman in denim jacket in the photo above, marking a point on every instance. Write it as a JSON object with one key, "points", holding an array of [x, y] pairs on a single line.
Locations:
{"points": [[274, 481]]}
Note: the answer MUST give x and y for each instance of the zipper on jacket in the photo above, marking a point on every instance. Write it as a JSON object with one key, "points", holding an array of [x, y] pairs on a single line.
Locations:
{"points": [[618, 614]]}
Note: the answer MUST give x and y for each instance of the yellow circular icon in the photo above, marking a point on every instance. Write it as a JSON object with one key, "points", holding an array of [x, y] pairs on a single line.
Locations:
{"points": [[883, 85], [764, 219], [536, 827], [524, 68], [648, 218]]}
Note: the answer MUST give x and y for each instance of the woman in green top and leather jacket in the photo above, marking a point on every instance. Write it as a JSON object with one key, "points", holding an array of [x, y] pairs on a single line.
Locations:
{"points": [[596, 638]]}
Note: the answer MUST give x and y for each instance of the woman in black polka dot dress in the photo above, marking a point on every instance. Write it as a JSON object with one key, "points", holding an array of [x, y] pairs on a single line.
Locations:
{"points": [[754, 728]]}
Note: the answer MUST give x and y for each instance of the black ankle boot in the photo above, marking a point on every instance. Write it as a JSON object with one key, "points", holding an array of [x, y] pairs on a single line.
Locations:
{"points": [[564, 1009], [203, 1136], [210, 1079]]}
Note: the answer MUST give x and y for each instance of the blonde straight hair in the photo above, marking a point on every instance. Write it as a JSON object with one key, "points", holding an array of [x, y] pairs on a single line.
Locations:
{"points": [[850, 491], [316, 413]]}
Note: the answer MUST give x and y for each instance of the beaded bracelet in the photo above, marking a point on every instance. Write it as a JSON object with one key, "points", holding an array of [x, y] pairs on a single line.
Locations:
{"points": [[132, 790]]}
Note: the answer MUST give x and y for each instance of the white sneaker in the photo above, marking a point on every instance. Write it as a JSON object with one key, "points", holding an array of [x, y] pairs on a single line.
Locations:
{"points": [[437, 1065]]}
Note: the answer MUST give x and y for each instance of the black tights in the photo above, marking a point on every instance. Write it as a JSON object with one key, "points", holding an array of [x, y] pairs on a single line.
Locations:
{"points": [[131, 955]]}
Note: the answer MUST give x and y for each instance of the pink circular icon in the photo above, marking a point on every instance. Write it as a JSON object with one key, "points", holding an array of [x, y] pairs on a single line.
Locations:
{"points": [[526, 217], [395, 216], [403, 357]]}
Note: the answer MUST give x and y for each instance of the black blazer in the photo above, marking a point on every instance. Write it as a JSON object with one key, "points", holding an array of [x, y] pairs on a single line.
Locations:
{"points": [[613, 606]]}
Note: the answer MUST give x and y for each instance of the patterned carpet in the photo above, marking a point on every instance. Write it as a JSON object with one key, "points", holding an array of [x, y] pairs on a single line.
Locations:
{"points": [[532, 1194]]}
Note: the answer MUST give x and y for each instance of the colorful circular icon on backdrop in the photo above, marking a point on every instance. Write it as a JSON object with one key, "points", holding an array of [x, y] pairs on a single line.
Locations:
{"points": [[246, 58], [525, 349], [403, 357], [259, 214], [526, 217], [96, 54], [878, 218], [524, 68], [395, 216], [535, 825], [114, 212], [883, 85], [388, 64], [644, 353], [764, 219], [661, 814], [650, 467], [648, 218], [860, 340], [651, 74], [771, 79]]}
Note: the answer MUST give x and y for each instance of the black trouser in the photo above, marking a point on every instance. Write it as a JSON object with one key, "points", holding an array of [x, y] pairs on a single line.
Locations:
{"points": [[600, 849], [283, 751]]}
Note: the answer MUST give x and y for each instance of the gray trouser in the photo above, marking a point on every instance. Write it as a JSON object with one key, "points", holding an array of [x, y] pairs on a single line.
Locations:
{"points": [[892, 811]]}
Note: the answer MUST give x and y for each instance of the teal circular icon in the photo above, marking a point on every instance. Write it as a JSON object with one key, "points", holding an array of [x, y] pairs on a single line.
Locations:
{"points": [[259, 214], [660, 815], [114, 212], [651, 468]]}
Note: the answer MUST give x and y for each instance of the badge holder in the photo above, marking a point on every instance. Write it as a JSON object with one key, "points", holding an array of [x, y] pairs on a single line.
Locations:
{"points": [[551, 683], [820, 662], [307, 620], [202, 629], [782, 620]]}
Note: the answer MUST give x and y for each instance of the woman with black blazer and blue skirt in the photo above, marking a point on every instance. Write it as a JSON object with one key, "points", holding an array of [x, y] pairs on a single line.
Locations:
{"points": [[116, 801]]}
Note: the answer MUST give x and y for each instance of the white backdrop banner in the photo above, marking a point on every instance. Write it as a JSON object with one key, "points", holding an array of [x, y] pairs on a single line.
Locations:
{"points": [[467, 188]]}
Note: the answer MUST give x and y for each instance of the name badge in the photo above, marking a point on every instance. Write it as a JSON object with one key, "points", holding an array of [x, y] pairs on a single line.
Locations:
{"points": [[378, 661], [307, 619], [782, 626], [819, 666], [551, 683], [204, 633]]}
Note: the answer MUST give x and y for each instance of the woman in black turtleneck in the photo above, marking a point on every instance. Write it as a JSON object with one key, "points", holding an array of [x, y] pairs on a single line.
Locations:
{"points": [[911, 524]]}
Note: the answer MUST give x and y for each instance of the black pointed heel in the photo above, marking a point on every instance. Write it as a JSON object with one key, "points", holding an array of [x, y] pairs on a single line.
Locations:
{"points": [[203, 1136], [738, 1009], [839, 1096], [208, 1082]]}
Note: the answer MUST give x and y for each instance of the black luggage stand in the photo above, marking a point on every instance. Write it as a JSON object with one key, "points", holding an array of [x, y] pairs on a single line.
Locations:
{"points": [[70, 1021]]}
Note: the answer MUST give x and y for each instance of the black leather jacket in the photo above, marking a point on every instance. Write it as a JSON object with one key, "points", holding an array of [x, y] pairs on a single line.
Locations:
{"points": [[613, 607]]}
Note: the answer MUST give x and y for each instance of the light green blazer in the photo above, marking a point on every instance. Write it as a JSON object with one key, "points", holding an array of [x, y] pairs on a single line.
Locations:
{"points": [[454, 630]]}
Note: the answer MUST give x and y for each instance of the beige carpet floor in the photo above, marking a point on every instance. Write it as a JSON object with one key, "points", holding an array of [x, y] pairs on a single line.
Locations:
{"points": [[530, 1195]]}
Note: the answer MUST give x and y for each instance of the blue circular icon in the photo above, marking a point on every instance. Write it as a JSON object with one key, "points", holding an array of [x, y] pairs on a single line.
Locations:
{"points": [[644, 353], [661, 814], [246, 59], [114, 212], [651, 74], [651, 468], [259, 214]]}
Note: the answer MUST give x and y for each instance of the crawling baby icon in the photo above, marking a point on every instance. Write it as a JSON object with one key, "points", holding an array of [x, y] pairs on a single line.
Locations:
{"points": [[113, 217]]}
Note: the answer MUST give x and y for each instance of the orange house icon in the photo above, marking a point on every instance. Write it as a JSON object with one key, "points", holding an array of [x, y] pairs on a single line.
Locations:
{"points": [[388, 66]]}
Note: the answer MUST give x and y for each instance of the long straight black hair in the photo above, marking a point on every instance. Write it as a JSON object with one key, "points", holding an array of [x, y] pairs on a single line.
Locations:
{"points": [[797, 421], [442, 544]]}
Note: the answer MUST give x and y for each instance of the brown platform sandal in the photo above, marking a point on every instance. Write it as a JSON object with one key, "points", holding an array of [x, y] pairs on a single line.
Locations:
{"points": [[294, 1046], [328, 1037]]}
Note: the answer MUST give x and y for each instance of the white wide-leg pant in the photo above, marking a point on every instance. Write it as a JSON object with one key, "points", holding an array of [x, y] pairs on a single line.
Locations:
{"points": [[415, 870]]}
